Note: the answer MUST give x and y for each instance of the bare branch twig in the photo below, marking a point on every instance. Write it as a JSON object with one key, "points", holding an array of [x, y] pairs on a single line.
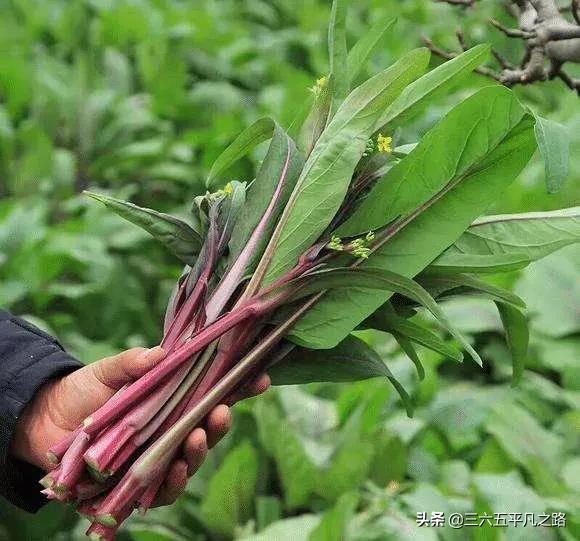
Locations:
{"points": [[575, 8], [550, 40], [464, 3], [450, 55], [511, 32], [461, 39], [502, 60], [573, 84]]}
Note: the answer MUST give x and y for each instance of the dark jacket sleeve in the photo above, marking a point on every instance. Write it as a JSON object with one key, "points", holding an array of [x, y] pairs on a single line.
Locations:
{"points": [[28, 358]]}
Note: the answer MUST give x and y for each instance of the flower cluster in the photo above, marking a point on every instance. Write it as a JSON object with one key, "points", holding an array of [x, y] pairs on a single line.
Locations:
{"points": [[361, 247], [319, 86], [384, 143]]}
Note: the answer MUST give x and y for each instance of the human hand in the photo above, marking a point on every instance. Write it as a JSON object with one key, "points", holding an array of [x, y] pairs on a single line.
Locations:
{"points": [[60, 406]]}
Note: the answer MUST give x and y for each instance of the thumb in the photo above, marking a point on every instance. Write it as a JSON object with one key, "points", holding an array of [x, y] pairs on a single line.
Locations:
{"points": [[127, 366]]}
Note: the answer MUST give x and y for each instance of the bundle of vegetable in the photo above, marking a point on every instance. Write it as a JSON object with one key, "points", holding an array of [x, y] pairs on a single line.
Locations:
{"points": [[337, 233]]}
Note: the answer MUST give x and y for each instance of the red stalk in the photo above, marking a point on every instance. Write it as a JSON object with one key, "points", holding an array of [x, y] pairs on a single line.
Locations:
{"points": [[187, 386], [106, 447], [124, 495], [169, 414], [88, 508], [187, 312], [235, 274], [114, 520], [72, 465], [57, 451], [118, 405], [87, 489], [123, 456], [235, 345], [148, 497], [158, 456], [195, 301], [108, 444], [49, 493], [175, 302], [48, 480]]}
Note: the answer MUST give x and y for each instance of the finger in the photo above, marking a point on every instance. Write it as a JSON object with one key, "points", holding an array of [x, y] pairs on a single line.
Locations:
{"points": [[128, 366], [219, 422], [258, 386], [174, 485], [195, 450]]}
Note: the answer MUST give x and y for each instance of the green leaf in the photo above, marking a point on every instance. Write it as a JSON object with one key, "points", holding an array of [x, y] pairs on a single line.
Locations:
{"points": [[472, 315], [528, 443], [334, 523], [517, 335], [460, 412], [383, 471], [297, 473], [268, 194], [231, 207], [554, 144], [337, 52], [507, 493], [382, 279], [407, 346], [268, 510], [230, 493], [157, 532], [571, 472], [551, 290], [385, 319], [434, 84], [175, 234], [316, 120], [329, 168], [405, 149], [350, 462], [454, 262], [351, 360], [253, 135], [510, 241], [461, 142], [421, 240], [290, 529], [437, 284], [365, 47]]}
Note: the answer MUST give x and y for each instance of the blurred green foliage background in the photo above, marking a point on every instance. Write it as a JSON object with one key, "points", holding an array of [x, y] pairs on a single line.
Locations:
{"points": [[136, 98]]}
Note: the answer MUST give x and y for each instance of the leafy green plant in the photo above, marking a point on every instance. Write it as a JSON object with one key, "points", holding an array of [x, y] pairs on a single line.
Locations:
{"points": [[339, 234]]}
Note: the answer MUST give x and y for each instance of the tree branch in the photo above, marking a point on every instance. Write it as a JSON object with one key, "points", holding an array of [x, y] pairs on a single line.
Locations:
{"points": [[558, 32], [575, 8], [550, 40], [502, 60], [450, 55], [511, 32], [461, 39], [464, 3], [573, 84]]}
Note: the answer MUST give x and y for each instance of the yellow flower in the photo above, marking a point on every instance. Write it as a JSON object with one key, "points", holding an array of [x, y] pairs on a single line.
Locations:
{"points": [[321, 82], [384, 143], [229, 189], [320, 85]]}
